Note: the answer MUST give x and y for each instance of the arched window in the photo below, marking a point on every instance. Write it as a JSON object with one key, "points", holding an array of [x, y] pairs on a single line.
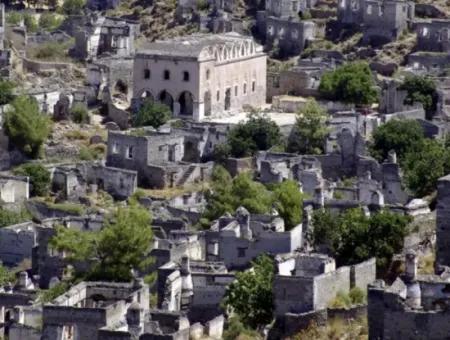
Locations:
{"points": [[185, 76], [245, 88], [146, 73], [253, 86], [218, 95], [166, 74], [207, 74]]}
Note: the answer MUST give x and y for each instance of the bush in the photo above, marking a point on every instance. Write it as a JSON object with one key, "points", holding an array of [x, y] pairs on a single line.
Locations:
{"points": [[30, 22], [49, 21], [80, 114], [341, 300], [69, 208], [73, 7], [26, 126], [152, 114], [14, 18], [92, 152], [8, 217], [39, 177], [357, 296], [6, 92], [350, 83], [48, 295], [50, 51]]}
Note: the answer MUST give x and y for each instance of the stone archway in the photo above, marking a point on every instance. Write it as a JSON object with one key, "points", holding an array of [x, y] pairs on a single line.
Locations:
{"points": [[147, 95], [120, 88], [166, 99], [186, 101]]}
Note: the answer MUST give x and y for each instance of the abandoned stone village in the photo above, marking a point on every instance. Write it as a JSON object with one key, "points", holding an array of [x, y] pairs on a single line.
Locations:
{"points": [[224, 169]]}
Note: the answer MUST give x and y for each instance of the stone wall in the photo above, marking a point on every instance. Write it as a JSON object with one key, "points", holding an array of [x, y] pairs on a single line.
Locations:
{"points": [[16, 243], [363, 274], [326, 286]]}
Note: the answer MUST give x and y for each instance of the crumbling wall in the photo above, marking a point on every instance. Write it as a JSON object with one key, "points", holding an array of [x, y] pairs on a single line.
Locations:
{"points": [[16, 243], [326, 286], [363, 273], [443, 222]]}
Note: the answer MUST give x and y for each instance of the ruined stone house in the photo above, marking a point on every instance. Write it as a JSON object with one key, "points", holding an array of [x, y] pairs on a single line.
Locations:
{"points": [[240, 239], [165, 158], [105, 35], [201, 75], [381, 21], [281, 27], [433, 35]]}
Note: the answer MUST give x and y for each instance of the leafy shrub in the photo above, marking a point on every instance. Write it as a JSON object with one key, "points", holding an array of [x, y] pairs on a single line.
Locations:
{"points": [[30, 22], [341, 300], [69, 208], [48, 295], [80, 114], [14, 18], [39, 177], [73, 7], [51, 51], [357, 296], [92, 152], [202, 5], [6, 91], [8, 217], [49, 21]]}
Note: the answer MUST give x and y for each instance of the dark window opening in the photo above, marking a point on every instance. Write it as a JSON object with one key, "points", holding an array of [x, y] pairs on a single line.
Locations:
{"points": [[185, 76], [166, 75], [146, 73]]}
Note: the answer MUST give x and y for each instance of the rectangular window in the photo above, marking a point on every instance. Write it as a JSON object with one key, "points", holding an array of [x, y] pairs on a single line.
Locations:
{"points": [[245, 88], [236, 91], [115, 148], [218, 95], [241, 252], [253, 86], [130, 152]]}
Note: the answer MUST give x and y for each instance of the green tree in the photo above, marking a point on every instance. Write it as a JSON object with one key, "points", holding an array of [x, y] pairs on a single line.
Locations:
{"points": [[421, 89], [350, 83], [26, 126], [310, 130], [352, 237], [152, 114], [6, 92], [14, 18], [258, 133], [39, 177], [250, 295], [424, 166], [121, 246], [288, 200], [73, 7], [227, 194], [402, 136]]}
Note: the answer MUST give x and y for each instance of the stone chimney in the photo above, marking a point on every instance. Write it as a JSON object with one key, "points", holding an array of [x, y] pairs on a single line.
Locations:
{"points": [[243, 218], [392, 157]]}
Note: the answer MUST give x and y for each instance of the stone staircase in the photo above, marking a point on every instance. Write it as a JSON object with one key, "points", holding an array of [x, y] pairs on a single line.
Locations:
{"points": [[186, 175]]}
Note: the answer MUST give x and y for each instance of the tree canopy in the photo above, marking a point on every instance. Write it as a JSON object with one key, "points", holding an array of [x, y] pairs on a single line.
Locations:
{"points": [[250, 295], [227, 194], [350, 83], [424, 166], [310, 131], [39, 177], [402, 136], [120, 247], [421, 89], [26, 126], [352, 237], [152, 114], [258, 133]]}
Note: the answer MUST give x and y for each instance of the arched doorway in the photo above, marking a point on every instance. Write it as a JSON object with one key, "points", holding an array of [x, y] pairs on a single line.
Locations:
{"points": [[207, 103], [227, 99], [166, 99], [147, 95], [186, 102], [120, 88]]}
